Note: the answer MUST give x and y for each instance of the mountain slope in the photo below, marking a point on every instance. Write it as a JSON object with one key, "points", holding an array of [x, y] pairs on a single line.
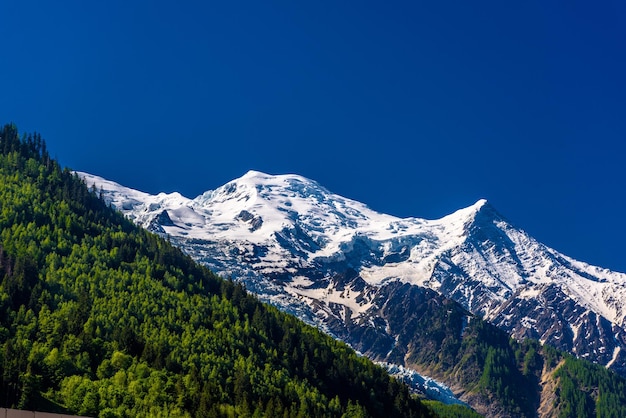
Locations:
{"points": [[320, 255], [101, 318]]}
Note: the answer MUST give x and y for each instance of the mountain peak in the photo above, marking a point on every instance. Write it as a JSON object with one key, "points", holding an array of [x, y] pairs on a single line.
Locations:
{"points": [[285, 180], [480, 218], [482, 208], [469, 213], [480, 203], [255, 174]]}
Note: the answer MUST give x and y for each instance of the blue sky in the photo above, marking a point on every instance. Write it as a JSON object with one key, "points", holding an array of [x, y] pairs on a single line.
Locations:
{"points": [[415, 109]]}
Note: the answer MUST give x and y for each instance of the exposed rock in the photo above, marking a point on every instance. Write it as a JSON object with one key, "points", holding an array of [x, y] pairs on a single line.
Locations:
{"points": [[162, 219], [255, 221]]}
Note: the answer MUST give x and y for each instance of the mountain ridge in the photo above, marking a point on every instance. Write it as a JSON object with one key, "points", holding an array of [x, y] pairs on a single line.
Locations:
{"points": [[286, 236]]}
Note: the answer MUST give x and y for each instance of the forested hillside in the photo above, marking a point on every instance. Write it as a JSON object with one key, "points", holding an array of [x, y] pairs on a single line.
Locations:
{"points": [[101, 318]]}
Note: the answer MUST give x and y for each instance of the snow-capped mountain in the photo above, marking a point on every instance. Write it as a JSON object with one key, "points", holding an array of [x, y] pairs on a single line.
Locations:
{"points": [[338, 264]]}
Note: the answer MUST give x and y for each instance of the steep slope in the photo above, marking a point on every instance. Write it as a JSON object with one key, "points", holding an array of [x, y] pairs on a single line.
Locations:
{"points": [[101, 318], [329, 259]]}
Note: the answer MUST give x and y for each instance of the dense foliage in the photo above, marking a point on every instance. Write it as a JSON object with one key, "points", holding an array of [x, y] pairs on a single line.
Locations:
{"points": [[587, 390], [101, 318], [451, 411]]}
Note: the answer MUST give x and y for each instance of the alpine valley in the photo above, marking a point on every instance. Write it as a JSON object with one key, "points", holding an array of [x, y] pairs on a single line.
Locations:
{"points": [[394, 289]]}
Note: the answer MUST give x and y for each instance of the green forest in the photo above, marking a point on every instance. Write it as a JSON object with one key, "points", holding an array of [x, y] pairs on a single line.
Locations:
{"points": [[101, 318]]}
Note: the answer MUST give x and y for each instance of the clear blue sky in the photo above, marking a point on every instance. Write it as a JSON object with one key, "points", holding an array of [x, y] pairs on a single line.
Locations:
{"points": [[415, 108]]}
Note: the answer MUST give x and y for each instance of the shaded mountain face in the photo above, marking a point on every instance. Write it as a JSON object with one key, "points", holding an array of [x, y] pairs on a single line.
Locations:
{"points": [[337, 264]]}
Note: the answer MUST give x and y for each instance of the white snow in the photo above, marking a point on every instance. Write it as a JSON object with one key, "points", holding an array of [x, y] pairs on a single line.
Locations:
{"points": [[528, 322], [529, 293], [615, 354], [575, 329], [327, 295]]}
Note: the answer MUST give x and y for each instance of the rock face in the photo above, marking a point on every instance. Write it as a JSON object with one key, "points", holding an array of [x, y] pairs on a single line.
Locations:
{"points": [[254, 221], [362, 276], [554, 317], [162, 219]]}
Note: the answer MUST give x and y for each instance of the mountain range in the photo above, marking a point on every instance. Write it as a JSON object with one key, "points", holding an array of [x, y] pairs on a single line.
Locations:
{"points": [[333, 261], [100, 317]]}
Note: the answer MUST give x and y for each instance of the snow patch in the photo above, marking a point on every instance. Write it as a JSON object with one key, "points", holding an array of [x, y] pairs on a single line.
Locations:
{"points": [[615, 354]]}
